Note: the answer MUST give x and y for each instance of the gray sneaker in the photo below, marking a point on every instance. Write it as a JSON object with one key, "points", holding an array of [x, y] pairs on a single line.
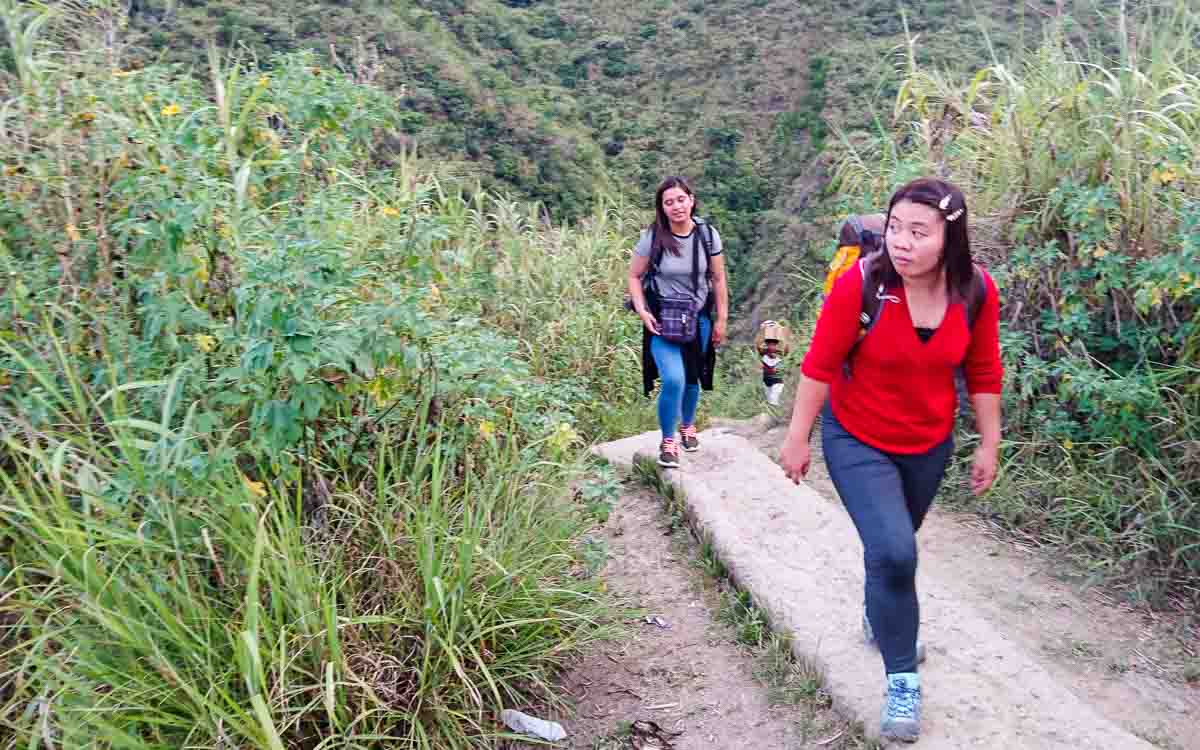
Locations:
{"points": [[668, 454], [901, 718], [869, 637], [687, 436]]}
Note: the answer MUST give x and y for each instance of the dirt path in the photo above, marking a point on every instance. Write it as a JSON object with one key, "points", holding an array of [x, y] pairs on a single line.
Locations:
{"points": [[1138, 668], [689, 677]]}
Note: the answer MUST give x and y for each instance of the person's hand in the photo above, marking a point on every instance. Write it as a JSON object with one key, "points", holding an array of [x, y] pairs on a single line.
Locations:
{"points": [[795, 458], [983, 469], [718, 332], [650, 322]]}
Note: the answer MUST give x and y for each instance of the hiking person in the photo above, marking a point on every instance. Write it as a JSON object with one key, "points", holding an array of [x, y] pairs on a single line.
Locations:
{"points": [[677, 286], [887, 401], [772, 345]]}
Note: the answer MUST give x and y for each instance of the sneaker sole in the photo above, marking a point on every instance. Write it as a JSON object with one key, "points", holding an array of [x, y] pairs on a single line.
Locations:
{"points": [[668, 464], [900, 734], [692, 449]]}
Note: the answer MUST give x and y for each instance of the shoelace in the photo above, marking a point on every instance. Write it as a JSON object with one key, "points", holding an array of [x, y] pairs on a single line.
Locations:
{"points": [[902, 701], [688, 431], [668, 446]]}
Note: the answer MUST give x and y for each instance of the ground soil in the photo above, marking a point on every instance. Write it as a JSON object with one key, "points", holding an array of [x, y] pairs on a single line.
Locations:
{"points": [[691, 677], [1136, 666]]}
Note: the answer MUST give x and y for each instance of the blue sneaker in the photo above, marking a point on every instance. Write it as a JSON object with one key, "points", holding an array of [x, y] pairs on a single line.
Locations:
{"points": [[902, 714], [901, 718], [869, 637]]}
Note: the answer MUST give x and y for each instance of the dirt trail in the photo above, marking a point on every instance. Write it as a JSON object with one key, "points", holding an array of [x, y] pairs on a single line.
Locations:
{"points": [[1133, 666], [690, 677]]}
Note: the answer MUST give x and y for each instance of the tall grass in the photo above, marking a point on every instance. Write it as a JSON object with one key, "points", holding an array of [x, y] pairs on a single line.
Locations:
{"points": [[285, 428], [405, 605], [1080, 169]]}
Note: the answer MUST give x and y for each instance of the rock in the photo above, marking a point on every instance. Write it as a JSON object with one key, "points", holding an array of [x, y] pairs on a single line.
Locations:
{"points": [[533, 726]]}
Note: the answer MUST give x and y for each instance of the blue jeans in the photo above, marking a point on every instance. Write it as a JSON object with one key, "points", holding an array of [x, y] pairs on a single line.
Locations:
{"points": [[677, 400], [887, 496]]}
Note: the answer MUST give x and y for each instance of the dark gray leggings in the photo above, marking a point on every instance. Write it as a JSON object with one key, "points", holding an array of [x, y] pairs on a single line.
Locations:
{"points": [[887, 496]]}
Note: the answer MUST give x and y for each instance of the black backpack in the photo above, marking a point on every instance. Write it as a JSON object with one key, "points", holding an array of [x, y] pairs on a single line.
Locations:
{"points": [[858, 231]]}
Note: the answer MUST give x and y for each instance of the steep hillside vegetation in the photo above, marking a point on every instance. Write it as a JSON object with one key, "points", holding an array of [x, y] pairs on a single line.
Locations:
{"points": [[567, 100]]}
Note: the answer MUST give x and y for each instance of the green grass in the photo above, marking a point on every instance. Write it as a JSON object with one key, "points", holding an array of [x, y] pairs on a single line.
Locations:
{"points": [[408, 603]]}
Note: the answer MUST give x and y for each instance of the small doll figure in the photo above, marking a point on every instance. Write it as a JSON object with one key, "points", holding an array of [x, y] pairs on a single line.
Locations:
{"points": [[772, 345]]}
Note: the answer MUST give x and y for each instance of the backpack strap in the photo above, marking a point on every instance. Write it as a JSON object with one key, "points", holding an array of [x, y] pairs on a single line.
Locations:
{"points": [[695, 263], [976, 296], [704, 232], [706, 236], [874, 296]]}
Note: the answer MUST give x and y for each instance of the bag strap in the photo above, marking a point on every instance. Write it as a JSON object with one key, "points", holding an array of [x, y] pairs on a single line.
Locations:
{"points": [[696, 262], [874, 296], [703, 235], [976, 296]]}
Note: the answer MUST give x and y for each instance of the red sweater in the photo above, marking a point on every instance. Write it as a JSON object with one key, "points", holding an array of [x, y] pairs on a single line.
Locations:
{"points": [[902, 398]]}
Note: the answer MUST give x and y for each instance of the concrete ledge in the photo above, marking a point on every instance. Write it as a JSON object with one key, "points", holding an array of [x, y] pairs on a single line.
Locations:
{"points": [[799, 557]]}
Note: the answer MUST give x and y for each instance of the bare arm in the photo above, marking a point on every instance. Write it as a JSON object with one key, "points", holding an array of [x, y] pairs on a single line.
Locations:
{"points": [[720, 282], [986, 462], [810, 397], [987, 418], [795, 456], [637, 269]]}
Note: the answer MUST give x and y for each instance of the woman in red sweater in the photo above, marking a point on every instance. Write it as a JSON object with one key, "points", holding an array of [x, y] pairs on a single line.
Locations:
{"points": [[887, 409]]}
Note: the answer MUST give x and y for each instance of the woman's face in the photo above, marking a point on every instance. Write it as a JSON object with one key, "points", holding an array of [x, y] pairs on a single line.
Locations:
{"points": [[677, 205], [916, 236]]}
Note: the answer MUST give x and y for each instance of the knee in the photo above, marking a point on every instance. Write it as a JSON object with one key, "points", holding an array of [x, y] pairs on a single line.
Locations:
{"points": [[672, 380], [895, 562]]}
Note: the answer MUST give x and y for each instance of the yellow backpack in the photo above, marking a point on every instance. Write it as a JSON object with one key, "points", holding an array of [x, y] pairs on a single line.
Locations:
{"points": [[856, 231], [770, 329]]}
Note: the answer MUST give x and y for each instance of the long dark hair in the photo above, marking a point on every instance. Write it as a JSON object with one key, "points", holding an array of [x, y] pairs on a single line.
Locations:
{"points": [[951, 205], [660, 230]]}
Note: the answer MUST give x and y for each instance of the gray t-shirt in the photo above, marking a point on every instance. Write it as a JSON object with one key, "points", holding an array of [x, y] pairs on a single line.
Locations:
{"points": [[675, 271]]}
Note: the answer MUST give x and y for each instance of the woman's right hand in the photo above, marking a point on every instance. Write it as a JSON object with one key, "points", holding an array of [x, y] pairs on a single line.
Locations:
{"points": [[795, 457], [650, 322]]}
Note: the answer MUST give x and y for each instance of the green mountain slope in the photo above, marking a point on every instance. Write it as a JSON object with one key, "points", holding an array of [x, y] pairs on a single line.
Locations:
{"points": [[567, 100]]}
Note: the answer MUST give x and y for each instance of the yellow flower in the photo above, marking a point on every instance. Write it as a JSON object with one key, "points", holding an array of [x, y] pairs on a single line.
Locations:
{"points": [[170, 110], [73, 232], [389, 211], [123, 73], [1163, 176], [1068, 445], [435, 294], [205, 342], [264, 80], [1100, 252], [487, 429], [258, 489], [564, 437]]}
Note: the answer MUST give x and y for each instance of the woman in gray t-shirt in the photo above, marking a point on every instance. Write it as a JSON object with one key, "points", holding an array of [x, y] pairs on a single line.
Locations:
{"points": [[666, 250]]}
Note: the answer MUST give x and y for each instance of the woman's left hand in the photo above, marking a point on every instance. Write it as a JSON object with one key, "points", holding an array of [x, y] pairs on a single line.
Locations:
{"points": [[983, 469], [718, 332]]}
